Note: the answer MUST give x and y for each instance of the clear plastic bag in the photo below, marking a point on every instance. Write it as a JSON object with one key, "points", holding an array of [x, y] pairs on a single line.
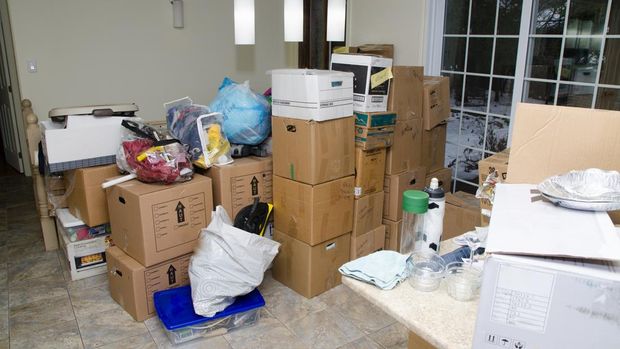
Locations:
{"points": [[247, 114], [215, 146]]}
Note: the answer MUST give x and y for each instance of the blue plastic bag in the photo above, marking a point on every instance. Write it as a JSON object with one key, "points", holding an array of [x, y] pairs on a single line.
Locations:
{"points": [[246, 113]]}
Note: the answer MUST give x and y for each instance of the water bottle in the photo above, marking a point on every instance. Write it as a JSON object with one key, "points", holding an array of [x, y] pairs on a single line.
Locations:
{"points": [[415, 205], [433, 225]]}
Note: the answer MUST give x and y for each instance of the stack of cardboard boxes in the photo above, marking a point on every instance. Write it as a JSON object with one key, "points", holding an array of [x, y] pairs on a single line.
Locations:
{"points": [[155, 228], [313, 166]]}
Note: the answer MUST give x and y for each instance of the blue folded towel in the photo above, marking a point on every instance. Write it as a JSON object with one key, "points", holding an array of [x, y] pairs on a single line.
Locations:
{"points": [[384, 269]]}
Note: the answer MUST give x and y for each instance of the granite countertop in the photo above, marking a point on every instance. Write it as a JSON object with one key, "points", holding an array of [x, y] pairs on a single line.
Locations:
{"points": [[434, 316]]}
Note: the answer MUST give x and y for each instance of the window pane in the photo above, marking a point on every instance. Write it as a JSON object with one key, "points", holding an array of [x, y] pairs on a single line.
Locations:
{"points": [[505, 56], [548, 16], [501, 96], [610, 69], [497, 134], [453, 54], [538, 92], [479, 55], [476, 93], [472, 130], [614, 18], [575, 96], [456, 89], [466, 187], [452, 129], [482, 16], [457, 12], [451, 150], [586, 17], [544, 55], [581, 59], [608, 98], [467, 166], [509, 19]]}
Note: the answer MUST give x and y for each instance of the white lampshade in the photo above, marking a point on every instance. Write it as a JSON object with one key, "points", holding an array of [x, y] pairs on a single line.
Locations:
{"points": [[244, 22], [294, 20], [336, 16], [177, 13]]}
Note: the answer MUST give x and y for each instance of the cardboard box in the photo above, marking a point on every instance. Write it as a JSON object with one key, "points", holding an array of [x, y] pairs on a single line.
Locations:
{"points": [[392, 234], [313, 214], [154, 223], [497, 162], [367, 213], [444, 176], [81, 141], [376, 119], [310, 94], [462, 214], [406, 92], [436, 101], [236, 185], [367, 70], [369, 138], [383, 50], [85, 258], [367, 243], [310, 270], [551, 140], [85, 197], [313, 152], [434, 147], [406, 150], [132, 285], [369, 171], [529, 302], [395, 185]]}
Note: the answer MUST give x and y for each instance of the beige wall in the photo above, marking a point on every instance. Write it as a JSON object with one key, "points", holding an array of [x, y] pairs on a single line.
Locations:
{"points": [[107, 51], [398, 22]]}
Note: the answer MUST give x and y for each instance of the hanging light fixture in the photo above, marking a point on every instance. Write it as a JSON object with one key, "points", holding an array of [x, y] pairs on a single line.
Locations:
{"points": [[336, 16], [244, 22], [294, 20], [177, 13]]}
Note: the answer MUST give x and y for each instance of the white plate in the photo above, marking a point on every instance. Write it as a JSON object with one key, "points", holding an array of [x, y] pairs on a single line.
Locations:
{"points": [[590, 186]]}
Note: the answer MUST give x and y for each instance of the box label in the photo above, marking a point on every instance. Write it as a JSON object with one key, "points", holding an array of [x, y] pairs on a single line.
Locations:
{"points": [[183, 216]]}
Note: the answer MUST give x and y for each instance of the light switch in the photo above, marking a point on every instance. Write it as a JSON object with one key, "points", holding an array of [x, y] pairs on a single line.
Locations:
{"points": [[32, 65]]}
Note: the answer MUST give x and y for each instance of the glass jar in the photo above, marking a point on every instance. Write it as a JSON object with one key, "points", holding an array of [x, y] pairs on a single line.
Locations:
{"points": [[415, 205]]}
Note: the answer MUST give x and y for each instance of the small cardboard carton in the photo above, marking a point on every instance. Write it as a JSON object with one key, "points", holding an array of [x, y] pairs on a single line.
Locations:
{"points": [[374, 130], [365, 244], [368, 212], [236, 185], [444, 176], [376, 119], [406, 150], [369, 171], [313, 152], [310, 94], [392, 234], [313, 214], [85, 198], [395, 185], [154, 223], [132, 285], [496, 162], [406, 92], [310, 270], [436, 100], [434, 147], [462, 214], [371, 81]]}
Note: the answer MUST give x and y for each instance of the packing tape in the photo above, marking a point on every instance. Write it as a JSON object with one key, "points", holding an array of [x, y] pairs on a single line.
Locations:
{"points": [[381, 77]]}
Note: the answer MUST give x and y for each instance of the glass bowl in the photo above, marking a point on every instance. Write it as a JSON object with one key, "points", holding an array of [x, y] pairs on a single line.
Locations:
{"points": [[427, 272]]}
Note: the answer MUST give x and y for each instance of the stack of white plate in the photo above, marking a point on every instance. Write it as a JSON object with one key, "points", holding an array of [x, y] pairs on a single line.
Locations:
{"points": [[590, 190]]}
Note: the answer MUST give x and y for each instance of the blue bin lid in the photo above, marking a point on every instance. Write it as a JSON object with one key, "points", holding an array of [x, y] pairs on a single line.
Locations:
{"points": [[176, 310]]}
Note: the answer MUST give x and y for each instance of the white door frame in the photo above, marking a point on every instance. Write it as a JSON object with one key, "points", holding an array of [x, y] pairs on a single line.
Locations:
{"points": [[18, 119]]}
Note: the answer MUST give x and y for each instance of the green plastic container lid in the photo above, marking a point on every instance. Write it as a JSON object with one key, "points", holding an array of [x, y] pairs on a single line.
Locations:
{"points": [[415, 201]]}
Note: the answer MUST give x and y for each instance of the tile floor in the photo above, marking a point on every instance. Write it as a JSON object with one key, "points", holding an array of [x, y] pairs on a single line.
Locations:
{"points": [[41, 308]]}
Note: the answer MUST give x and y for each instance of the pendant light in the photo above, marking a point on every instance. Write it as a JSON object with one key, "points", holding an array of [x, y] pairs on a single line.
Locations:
{"points": [[244, 22], [336, 17]]}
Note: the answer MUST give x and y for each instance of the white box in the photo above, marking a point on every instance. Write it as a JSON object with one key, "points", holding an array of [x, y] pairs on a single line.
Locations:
{"points": [[86, 257], [81, 141], [534, 302], [365, 97], [311, 94]]}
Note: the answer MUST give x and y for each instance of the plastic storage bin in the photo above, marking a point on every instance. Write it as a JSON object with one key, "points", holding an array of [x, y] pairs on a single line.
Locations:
{"points": [[176, 312]]}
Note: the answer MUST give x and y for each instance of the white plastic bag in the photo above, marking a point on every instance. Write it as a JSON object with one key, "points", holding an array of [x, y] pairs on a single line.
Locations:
{"points": [[228, 262]]}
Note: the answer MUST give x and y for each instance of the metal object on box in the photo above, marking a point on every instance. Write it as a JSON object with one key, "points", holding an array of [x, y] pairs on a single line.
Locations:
{"points": [[591, 190], [175, 310]]}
